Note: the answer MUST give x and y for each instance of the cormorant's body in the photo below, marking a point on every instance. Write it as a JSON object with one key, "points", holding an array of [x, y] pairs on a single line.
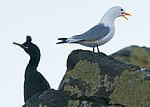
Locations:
{"points": [[34, 80]]}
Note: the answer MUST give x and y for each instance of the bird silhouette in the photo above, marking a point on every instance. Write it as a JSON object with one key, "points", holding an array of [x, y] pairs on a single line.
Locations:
{"points": [[34, 80]]}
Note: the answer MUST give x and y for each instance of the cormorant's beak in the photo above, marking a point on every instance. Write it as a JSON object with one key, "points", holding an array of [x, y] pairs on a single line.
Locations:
{"points": [[21, 45], [125, 14]]}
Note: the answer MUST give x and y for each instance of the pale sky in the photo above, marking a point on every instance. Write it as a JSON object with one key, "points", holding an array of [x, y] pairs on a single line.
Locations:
{"points": [[45, 21]]}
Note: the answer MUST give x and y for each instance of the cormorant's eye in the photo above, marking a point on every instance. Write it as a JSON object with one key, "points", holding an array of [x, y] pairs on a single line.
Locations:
{"points": [[121, 9], [27, 46]]}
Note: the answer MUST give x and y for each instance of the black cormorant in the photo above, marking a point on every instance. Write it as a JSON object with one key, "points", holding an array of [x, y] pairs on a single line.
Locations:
{"points": [[34, 80]]}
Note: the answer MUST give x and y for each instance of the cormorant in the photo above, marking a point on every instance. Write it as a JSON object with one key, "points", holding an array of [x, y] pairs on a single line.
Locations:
{"points": [[34, 80]]}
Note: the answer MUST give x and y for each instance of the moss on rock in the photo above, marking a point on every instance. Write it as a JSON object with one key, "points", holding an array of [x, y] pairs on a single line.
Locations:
{"points": [[132, 90]]}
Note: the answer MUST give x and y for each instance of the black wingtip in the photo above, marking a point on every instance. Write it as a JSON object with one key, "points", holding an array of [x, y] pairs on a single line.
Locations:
{"points": [[63, 40]]}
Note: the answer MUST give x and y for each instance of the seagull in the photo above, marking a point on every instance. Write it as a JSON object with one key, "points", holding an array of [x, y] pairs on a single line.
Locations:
{"points": [[100, 33]]}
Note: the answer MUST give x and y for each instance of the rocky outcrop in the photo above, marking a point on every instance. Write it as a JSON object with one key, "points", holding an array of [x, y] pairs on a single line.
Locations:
{"points": [[96, 80], [134, 55]]}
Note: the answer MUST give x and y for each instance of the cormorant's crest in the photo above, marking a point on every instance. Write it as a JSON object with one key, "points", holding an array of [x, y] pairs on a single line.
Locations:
{"points": [[28, 39]]}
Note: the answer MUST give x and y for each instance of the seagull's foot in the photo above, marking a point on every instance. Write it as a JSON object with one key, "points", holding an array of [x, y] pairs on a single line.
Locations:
{"points": [[93, 49], [97, 49]]}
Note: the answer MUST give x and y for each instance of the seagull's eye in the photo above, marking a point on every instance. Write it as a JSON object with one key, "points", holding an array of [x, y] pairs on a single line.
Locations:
{"points": [[121, 9]]}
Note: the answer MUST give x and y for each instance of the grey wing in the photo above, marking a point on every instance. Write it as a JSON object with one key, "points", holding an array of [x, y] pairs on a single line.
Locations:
{"points": [[97, 32]]}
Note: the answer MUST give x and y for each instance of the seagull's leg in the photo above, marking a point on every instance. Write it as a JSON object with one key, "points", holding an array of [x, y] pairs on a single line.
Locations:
{"points": [[97, 48], [93, 49]]}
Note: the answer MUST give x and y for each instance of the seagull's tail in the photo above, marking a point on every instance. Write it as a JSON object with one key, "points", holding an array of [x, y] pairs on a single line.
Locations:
{"points": [[62, 40]]}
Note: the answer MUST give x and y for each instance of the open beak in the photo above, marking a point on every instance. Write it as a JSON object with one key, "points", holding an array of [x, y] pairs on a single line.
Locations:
{"points": [[125, 14], [21, 45]]}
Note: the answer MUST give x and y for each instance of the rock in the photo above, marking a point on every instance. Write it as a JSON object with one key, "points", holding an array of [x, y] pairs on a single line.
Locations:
{"points": [[99, 76], [96, 80], [134, 55], [50, 98]]}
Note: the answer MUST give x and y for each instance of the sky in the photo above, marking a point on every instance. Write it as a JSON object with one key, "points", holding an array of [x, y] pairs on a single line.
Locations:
{"points": [[45, 21]]}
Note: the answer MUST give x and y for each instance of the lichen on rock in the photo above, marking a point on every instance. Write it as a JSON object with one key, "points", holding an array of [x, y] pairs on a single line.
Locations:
{"points": [[132, 90], [74, 103], [73, 90], [87, 72], [40, 105], [134, 55], [108, 84]]}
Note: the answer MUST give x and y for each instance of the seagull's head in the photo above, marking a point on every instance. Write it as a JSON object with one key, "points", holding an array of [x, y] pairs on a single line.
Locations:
{"points": [[118, 11]]}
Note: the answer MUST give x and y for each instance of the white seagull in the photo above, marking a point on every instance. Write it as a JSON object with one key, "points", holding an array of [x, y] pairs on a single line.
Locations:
{"points": [[100, 33]]}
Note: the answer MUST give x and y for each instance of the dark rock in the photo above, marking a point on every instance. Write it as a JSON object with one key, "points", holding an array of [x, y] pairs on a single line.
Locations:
{"points": [[97, 75], [96, 80], [50, 98]]}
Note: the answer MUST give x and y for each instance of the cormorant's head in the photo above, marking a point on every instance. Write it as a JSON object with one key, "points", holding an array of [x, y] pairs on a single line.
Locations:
{"points": [[29, 47]]}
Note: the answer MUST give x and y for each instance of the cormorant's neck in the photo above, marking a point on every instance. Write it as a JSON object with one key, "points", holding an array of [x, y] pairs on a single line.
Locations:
{"points": [[33, 63]]}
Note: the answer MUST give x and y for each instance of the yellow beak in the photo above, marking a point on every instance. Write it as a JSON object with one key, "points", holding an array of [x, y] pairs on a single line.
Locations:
{"points": [[126, 14]]}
